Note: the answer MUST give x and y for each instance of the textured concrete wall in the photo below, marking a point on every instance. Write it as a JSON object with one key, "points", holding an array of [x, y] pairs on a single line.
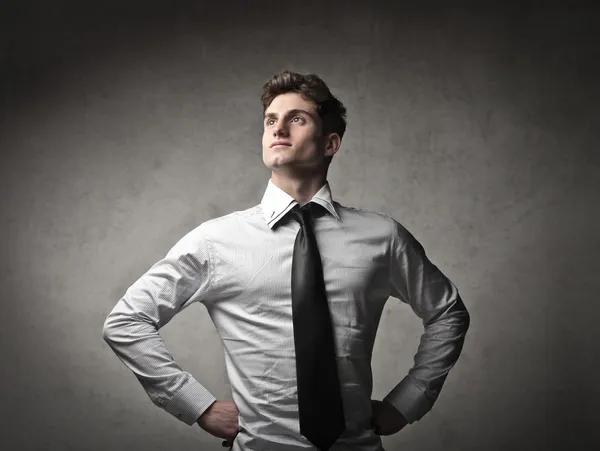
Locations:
{"points": [[124, 126]]}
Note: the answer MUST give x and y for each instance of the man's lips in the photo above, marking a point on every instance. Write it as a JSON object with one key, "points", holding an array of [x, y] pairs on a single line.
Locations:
{"points": [[281, 143]]}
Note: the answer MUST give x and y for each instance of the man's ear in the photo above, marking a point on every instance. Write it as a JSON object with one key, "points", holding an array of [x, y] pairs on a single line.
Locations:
{"points": [[332, 144]]}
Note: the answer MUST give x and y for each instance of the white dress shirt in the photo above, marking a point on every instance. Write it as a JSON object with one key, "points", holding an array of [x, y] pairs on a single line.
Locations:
{"points": [[239, 267]]}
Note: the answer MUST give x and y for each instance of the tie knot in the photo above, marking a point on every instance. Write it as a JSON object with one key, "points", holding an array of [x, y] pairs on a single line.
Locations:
{"points": [[304, 213]]}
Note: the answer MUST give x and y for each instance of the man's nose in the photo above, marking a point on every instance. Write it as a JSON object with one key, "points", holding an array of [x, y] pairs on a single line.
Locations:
{"points": [[280, 130]]}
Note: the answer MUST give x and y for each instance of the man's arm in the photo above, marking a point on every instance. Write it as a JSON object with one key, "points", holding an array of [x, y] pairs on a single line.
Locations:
{"points": [[414, 279], [182, 277]]}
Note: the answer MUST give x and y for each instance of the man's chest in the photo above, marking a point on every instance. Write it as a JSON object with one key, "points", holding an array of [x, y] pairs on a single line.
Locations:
{"points": [[256, 270]]}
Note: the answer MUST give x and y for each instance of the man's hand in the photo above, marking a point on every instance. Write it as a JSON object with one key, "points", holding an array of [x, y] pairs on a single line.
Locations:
{"points": [[386, 419], [221, 420]]}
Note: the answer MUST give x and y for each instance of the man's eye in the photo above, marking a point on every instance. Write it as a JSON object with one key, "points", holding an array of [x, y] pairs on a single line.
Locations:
{"points": [[270, 121]]}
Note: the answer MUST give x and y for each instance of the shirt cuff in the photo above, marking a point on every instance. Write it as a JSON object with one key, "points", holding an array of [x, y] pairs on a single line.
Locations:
{"points": [[410, 399], [190, 402]]}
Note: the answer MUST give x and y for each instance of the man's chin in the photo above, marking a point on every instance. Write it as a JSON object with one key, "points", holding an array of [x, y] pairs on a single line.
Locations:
{"points": [[279, 163]]}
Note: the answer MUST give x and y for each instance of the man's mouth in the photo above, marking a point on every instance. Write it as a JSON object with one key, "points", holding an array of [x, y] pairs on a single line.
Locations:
{"points": [[281, 144]]}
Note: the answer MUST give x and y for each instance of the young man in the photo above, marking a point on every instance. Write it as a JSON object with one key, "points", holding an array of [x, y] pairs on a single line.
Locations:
{"points": [[296, 295]]}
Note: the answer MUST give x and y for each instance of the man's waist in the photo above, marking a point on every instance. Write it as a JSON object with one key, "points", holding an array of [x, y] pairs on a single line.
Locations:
{"points": [[278, 437]]}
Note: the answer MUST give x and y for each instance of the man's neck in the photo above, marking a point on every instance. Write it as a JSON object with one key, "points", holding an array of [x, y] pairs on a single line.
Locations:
{"points": [[302, 190]]}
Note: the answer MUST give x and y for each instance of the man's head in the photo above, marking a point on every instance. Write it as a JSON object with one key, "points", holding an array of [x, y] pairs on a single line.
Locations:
{"points": [[301, 111]]}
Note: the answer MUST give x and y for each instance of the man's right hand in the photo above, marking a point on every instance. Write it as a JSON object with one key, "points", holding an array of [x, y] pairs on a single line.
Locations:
{"points": [[221, 420]]}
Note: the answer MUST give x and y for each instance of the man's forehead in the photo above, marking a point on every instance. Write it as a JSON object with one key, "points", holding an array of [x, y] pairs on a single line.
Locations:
{"points": [[291, 101]]}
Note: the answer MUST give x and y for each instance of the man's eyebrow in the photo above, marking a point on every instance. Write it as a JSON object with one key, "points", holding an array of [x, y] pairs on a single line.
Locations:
{"points": [[294, 111]]}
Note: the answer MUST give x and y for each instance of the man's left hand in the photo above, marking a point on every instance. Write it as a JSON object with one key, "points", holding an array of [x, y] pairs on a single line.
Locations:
{"points": [[386, 419]]}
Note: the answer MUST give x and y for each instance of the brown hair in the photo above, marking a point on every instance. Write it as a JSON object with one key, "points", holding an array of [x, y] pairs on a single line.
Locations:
{"points": [[331, 111]]}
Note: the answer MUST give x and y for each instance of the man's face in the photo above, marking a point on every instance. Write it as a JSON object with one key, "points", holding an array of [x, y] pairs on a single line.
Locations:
{"points": [[293, 120]]}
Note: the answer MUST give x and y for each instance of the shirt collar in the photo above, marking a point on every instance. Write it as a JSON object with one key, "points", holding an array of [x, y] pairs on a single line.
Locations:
{"points": [[276, 202]]}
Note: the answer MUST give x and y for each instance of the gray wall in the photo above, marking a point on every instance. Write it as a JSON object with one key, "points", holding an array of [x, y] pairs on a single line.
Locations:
{"points": [[124, 127]]}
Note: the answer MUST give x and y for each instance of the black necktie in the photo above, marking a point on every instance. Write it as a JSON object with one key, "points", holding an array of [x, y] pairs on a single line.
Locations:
{"points": [[319, 394]]}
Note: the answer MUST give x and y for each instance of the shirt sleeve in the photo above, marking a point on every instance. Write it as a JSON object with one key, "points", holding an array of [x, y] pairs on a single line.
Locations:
{"points": [[415, 280], [182, 277]]}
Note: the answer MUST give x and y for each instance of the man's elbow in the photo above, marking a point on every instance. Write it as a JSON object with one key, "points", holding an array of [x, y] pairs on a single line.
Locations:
{"points": [[107, 330], [456, 316], [465, 319], [119, 325], [111, 328], [460, 317]]}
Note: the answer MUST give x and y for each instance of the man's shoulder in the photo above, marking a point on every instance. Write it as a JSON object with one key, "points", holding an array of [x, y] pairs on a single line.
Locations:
{"points": [[216, 226], [230, 219], [379, 221], [364, 214]]}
